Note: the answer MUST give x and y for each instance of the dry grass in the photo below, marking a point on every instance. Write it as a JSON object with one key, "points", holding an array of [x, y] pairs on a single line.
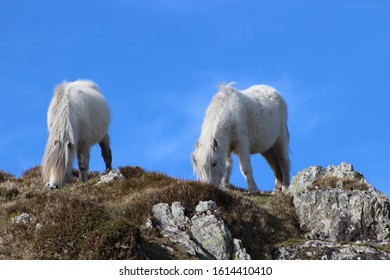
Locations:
{"points": [[32, 173], [113, 239], [282, 216], [334, 182], [8, 191], [4, 176], [106, 221]]}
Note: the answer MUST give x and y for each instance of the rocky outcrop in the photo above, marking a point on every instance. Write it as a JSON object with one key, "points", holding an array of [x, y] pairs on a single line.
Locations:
{"points": [[344, 216], [341, 215], [323, 250], [337, 204], [205, 235]]}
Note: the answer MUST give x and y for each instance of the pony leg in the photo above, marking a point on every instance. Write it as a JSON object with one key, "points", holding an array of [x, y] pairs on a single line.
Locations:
{"points": [[272, 160], [284, 163], [68, 172], [83, 160], [246, 170], [282, 155], [106, 152], [229, 166]]}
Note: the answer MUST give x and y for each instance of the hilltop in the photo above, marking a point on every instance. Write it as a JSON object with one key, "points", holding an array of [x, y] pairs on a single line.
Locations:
{"points": [[117, 219]]}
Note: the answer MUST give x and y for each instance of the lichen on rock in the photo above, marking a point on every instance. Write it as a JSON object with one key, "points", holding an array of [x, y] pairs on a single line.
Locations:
{"points": [[205, 235], [330, 208]]}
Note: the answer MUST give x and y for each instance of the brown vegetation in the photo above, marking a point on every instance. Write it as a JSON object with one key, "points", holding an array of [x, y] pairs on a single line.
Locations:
{"points": [[4, 176], [344, 183], [106, 221]]}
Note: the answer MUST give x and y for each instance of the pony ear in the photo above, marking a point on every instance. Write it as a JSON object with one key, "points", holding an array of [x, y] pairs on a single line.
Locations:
{"points": [[215, 145]]}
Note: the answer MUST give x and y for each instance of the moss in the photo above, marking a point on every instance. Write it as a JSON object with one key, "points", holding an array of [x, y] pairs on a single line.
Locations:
{"points": [[281, 208], [385, 247], [292, 242], [112, 240]]}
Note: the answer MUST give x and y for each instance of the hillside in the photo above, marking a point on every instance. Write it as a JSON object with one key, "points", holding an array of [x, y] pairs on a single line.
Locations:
{"points": [[116, 219], [107, 221]]}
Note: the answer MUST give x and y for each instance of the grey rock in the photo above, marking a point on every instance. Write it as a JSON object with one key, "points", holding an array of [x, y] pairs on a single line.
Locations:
{"points": [[239, 252], [148, 223], [163, 215], [111, 176], [213, 236], [21, 219], [178, 211], [205, 235], [323, 250], [175, 227], [205, 206], [38, 227], [305, 178], [337, 213]]}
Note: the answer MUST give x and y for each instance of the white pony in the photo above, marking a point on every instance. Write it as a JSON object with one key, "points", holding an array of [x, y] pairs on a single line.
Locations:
{"points": [[247, 122], [78, 117]]}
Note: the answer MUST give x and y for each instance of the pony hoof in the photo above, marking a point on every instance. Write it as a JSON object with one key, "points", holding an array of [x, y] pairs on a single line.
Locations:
{"points": [[278, 190], [255, 191]]}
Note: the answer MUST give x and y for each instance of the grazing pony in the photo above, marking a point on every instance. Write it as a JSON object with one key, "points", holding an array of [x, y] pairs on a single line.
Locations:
{"points": [[247, 122], [78, 117]]}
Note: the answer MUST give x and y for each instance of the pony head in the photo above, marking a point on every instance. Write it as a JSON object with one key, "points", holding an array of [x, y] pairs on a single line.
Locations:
{"points": [[209, 162], [57, 161]]}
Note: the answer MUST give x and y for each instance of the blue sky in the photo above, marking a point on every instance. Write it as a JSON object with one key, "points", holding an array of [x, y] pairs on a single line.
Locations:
{"points": [[158, 64]]}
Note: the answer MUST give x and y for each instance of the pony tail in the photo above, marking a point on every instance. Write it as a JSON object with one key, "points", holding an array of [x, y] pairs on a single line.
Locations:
{"points": [[59, 89], [59, 92], [59, 113]]}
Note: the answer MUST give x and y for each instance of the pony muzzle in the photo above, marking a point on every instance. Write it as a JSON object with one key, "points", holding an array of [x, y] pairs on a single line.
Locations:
{"points": [[51, 186]]}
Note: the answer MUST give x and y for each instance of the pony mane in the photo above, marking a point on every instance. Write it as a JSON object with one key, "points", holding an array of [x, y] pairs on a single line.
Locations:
{"points": [[226, 88], [218, 107], [217, 112], [60, 115], [60, 132]]}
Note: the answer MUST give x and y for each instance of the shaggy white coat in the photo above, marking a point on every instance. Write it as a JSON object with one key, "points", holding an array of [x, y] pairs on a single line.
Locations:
{"points": [[247, 122], [78, 117]]}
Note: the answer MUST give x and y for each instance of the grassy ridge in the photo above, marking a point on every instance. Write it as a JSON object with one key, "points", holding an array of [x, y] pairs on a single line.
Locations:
{"points": [[107, 221]]}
